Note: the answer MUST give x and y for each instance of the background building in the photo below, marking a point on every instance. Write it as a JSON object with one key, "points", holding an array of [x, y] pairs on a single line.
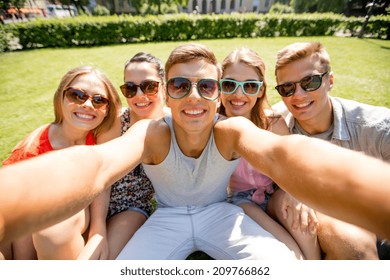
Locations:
{"points": [[229, 6]]}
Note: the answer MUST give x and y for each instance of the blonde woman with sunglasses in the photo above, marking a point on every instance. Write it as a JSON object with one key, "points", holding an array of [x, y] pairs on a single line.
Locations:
{"points": [[131, 197], [243, 88], [85, 106]]}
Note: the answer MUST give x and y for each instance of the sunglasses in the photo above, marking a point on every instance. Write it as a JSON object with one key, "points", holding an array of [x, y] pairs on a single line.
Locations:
{"points": [[179, 87], [79, 97], [250, 88], [309, 83], [148, 87]]}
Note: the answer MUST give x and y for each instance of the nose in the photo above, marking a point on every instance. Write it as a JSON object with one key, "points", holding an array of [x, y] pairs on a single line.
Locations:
{"points": [[238, 91], [139, 91], [88, 103], [194, 91], [299, 91]]}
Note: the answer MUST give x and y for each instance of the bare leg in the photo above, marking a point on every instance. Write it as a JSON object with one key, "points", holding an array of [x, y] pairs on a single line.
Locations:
{"points": [[270, 225], [343, 241], [307, 243], [23, 249], [120, 228], [20, 249], [63, 241], [6, 251]]}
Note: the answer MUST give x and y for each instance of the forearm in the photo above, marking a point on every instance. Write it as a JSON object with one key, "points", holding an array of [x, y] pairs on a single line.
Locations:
{"points": [[336, 181], [56, 189], [39, 192], [99, 209]]}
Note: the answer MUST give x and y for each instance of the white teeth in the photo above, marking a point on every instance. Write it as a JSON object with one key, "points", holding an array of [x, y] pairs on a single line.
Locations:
{"points": [[302, 105], [84, 116], [193, 112], [142, 104], [238, 103]]}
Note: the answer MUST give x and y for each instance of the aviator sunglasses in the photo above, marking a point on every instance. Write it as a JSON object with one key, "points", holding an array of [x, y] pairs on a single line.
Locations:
{"points": [[179, 87], [309, 83], [148, 87], [79, 97], [250, 88]]}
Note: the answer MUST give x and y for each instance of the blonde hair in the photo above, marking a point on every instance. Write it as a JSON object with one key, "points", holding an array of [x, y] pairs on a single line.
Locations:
{"points": [[301, 50], [192, 51], [114, 100], [252, 59]]}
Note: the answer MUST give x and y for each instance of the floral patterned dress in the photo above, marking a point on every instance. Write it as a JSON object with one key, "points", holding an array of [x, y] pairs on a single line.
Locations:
{"points": [[133, 191]]}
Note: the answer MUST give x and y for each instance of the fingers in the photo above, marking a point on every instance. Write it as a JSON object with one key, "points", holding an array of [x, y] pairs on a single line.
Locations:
{"points": [[313, 225]]}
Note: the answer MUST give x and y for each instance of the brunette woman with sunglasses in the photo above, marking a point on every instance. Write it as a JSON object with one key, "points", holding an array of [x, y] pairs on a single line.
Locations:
{"points": [[130, 202], [243, 89], [305, 79], [85, 106]]}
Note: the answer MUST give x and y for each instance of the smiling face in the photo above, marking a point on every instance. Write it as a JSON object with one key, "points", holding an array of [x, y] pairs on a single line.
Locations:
{"points": [[192, 113], [238, 103], [85, 116], [312, 110], [144, 106]]}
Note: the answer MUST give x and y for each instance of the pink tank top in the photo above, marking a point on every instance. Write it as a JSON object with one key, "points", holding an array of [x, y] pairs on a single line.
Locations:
{"points": [[246, 178]]}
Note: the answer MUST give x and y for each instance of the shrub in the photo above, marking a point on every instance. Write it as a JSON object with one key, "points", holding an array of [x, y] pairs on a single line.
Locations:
{"points": [[100, 11], [95, 31], [279, 8]]}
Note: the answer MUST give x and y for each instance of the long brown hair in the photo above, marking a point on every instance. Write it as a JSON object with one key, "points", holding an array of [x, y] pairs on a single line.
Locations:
{"points": [[252, 59]]}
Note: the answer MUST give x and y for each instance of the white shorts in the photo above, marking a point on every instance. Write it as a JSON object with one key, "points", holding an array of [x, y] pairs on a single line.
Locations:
{"points": [[221, 230]]}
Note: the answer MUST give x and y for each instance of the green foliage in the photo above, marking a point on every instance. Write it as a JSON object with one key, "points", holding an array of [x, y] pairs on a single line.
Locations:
{"points": [[333, 6], [3, 39], [100, 10], [320, 6], [106, 30], [279, 8], [30, 78]]}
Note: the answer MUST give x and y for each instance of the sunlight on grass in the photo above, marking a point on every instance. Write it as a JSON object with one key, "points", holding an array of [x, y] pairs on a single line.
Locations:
{"points": [[29, 78]]}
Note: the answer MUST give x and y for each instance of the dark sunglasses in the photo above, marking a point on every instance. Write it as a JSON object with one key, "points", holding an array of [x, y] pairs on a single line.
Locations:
{"points": [[179, 87], [79, 97], [250, 88], [148, 87], [309, 83]]}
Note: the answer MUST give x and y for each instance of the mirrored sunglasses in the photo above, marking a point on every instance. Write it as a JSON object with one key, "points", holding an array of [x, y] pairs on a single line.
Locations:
{"points": [[179, 87], [79, 97], [148, 87]]}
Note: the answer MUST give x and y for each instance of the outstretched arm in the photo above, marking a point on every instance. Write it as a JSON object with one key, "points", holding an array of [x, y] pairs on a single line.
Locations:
{"points": [[341, 183], [39, 192]]}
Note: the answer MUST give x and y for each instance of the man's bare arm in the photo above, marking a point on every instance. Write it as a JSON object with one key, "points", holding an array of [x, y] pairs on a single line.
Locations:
{"points": [[339, 182], [42, 191]]}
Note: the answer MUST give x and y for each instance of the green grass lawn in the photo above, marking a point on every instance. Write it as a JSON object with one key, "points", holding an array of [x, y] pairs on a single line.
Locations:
{"points": [[28, 79]]}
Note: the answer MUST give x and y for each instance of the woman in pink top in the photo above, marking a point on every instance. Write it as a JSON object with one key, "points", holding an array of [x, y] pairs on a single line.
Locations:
{"points": [[244, 94], [85, 105]]}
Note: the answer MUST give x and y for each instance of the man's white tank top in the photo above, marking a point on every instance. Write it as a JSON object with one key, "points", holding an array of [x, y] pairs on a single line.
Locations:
{"points": [[184, 181]]}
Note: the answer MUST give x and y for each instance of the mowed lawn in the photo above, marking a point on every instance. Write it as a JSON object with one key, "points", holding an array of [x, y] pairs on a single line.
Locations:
{"points": [[28, 79]]}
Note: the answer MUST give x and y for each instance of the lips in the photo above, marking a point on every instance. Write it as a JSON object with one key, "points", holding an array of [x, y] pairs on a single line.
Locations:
{"points": [[194, 112], [83, 116], [142, 105], [302, 105], [237, 103]]}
